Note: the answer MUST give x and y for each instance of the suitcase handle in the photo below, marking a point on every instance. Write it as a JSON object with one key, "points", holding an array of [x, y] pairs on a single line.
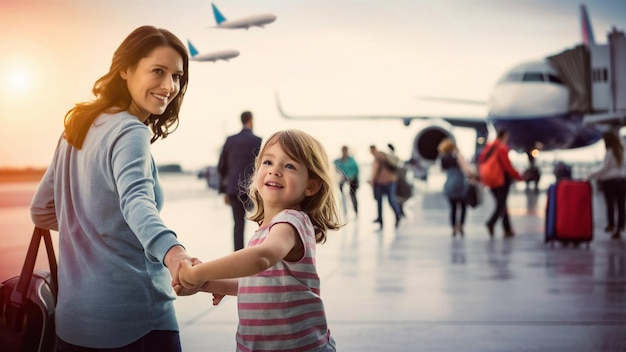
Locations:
{"points": [[19, 293]]}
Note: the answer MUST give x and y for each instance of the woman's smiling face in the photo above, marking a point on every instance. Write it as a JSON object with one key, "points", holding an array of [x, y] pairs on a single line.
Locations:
{"points": [[154, 83]]}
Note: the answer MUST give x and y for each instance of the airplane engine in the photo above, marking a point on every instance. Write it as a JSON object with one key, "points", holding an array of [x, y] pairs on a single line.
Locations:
{"points": [[426, 141]]}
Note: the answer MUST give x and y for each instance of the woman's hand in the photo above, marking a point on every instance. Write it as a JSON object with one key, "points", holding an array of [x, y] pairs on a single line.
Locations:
{"points": [[172, 261], [186, 276]]}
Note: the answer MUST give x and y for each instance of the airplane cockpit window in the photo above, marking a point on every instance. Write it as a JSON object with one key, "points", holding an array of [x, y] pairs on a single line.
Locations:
{"points": [[554, 79], [532, 77], [512, 77]]}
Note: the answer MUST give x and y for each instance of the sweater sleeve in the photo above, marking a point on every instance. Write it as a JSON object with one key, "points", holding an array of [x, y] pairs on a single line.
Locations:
{"points": [[42, 209], [135, 176], [42, 206]]}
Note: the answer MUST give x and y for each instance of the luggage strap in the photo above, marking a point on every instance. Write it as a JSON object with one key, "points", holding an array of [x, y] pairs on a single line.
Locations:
{"points": [[19, 293], [493, 149]]}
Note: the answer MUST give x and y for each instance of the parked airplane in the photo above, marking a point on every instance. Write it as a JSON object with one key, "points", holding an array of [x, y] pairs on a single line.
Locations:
{"points": [[212, 56], [245, 22], [531, 101]]}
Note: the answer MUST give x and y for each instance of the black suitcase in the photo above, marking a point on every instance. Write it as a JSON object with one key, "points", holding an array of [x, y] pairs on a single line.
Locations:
{"points": [[27, 303]]}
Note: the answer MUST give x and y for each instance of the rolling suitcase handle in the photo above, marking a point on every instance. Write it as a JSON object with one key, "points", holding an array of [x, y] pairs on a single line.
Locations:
{"points": [[18, 295]]}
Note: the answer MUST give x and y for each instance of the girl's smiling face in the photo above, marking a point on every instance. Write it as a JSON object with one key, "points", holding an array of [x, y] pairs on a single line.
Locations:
{"points": [[282, 182]]}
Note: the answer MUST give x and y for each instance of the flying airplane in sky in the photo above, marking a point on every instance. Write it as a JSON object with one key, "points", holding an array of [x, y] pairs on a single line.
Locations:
{"points": [[212, 56], [244, 22], [536, 101]]}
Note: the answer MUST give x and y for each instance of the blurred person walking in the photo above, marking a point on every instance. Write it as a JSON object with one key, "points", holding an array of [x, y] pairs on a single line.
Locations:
{"points": [[349, 175], [404, 189], [235, 166], [384, 180], [497, 152], [612, 176], [455, 188]]}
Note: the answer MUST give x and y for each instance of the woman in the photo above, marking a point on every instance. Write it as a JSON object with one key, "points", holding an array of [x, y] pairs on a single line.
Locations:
{"points": [[457, 171], [101, 192], [612, 174]]}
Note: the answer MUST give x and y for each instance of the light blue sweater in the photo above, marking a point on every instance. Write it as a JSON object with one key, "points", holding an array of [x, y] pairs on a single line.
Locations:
{"points": [[104, 200]]}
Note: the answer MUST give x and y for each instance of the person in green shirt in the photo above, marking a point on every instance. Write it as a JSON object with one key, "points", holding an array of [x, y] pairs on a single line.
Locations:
{"points": [[350, 175]]}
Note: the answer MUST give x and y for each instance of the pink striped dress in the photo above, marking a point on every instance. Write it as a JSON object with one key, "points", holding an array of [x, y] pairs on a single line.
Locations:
{"points": [[280, 309]]}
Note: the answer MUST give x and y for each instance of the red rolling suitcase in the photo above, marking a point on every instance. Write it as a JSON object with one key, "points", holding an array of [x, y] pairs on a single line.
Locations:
{"points": [[28, 301], [569, 213]]}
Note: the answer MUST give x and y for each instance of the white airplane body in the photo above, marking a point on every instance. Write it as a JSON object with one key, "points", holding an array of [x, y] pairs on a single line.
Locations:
{"points": [[244, 22], [211, 56], [539, 98], [531, 100]]}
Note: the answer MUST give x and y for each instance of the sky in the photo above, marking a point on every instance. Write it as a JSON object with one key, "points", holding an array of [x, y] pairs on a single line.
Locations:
{"points": [[322, 56]]}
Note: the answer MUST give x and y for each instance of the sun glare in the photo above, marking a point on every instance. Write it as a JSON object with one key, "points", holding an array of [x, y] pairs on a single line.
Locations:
{"points": [[18, 81]]}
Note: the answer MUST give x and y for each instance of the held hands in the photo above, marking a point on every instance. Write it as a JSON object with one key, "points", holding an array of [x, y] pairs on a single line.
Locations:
{"points": [[189, 283], [179, 287], [190, 286], [185, 275], [172, 261]]}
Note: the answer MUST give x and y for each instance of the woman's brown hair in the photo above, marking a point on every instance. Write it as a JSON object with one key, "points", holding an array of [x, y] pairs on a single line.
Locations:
{"points": [[111, 90], [614, 144]]}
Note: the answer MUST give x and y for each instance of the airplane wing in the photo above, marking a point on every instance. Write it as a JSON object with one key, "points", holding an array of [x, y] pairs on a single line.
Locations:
{"points": [[478, 123]]}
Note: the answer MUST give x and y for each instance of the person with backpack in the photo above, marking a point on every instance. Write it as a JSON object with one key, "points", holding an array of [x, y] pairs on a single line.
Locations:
{"points": [[497, 173], [455, 188], [384, 181], [404, 189]]}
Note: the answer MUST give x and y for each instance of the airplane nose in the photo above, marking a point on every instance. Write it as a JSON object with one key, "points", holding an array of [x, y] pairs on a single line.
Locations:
{"points": [[529, 99]]}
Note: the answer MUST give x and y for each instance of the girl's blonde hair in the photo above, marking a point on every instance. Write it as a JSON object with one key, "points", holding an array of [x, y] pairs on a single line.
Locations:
{"points": [[320, 207]]}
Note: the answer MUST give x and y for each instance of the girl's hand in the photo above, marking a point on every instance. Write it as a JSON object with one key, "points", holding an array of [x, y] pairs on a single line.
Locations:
{"points": [[217, 298], [185, 277]]}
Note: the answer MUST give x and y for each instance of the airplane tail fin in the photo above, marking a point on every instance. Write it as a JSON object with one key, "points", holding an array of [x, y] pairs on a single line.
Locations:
{"points": [[192, 49], [587, 31], [219, 18]]}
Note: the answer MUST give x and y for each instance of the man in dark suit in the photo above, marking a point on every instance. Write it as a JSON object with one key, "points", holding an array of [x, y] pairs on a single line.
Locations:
{"points": [[235, 167]]}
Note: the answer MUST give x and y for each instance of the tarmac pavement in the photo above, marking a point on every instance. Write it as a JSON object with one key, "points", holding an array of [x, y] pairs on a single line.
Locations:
{"points": [[415, 288]]}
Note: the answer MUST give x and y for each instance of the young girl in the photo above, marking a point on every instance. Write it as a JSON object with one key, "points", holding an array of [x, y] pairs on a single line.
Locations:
{"points": [[278, 291]]}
